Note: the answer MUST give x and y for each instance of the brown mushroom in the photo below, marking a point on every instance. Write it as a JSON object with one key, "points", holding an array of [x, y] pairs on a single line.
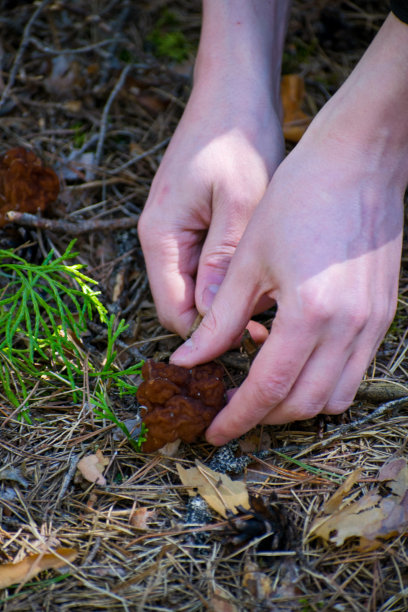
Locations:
{"points": [[180, 403], [25, 184]]}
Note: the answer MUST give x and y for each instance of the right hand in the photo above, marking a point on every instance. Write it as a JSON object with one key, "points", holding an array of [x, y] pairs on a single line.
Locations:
{"points": [[212, 176]]}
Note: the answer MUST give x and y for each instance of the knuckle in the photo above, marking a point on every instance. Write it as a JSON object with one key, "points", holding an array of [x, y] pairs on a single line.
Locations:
{"points": [[209, 324], [218, 257], [357, 317], [316, 308], [165, 321], [337, 406], [347, 312], [271, 391], [307, 411]]}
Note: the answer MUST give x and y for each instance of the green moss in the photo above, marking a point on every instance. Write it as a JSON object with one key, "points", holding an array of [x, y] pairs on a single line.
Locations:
{"points": [[168, 40]]}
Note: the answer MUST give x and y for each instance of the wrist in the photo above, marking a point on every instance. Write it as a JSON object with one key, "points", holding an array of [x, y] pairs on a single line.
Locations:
{"points": [[369, 113]]}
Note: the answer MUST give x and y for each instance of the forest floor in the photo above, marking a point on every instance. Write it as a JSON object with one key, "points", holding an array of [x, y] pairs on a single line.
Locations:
{"points": [[96, 89]]}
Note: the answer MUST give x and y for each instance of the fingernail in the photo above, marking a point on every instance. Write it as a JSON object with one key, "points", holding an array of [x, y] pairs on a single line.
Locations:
{"points": [[215, 440], [209, 295], [182, 352]]}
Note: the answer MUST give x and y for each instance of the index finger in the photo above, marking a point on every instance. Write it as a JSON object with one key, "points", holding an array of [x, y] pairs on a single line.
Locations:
{"points": [[270, 379]]}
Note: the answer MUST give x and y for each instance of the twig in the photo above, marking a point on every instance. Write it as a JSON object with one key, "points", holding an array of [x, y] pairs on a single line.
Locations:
{"points": [[93, 552], [19, 55], [74, 229], [343, 429], [117, 26], [73, 462], [301, 450], [84, 49], [136, 159], [104, 119]]}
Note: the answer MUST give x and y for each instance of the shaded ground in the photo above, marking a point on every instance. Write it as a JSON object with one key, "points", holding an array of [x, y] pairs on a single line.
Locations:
{"points": [[96, 89]]}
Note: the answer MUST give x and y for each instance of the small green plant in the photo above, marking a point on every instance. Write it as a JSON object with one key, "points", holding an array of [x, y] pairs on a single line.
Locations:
{"points": [[29, 587], [167, 39], [103, 410], [44, 311], [79, 134]]}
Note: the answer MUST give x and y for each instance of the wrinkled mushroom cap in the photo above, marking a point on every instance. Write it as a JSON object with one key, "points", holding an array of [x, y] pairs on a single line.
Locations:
{"points": [[25, 184], [180, 403]]}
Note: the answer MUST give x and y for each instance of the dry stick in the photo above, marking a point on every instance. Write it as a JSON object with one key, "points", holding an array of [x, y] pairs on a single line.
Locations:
{"points": [[304, 449], [104, 119], [116, 26], [64, 51], [138, 158], [23, 45], [93, 552], [73, 462], [343, 429], [74, 229]]}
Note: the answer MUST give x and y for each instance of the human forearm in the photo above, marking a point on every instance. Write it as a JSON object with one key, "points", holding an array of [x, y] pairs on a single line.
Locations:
{"points": [[242, 40], [370, 111]]}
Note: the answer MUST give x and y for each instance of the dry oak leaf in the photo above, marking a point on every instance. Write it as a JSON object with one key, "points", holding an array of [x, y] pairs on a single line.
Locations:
{"points": [[17, 573], [220, 492], [295, 121], [336, 500], [92, 467], [25, 184], [372, 518]]}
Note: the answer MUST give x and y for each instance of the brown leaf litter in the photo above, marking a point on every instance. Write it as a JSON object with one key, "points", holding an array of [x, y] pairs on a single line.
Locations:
{"points": [[373, 517]]}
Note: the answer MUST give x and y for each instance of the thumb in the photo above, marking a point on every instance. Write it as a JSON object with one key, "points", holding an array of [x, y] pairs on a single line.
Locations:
{"points": [[217, 251], [224, 322]]}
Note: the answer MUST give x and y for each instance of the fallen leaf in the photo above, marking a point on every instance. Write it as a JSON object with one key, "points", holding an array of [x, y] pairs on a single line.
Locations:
{"points": [[139, 91], [7, 494], [170, 449], [289, 573], [295, 121], [92, 467], [336, 499], [396, 472], [16, 573], [12, 473], [219, 490], [92, 499], [140, 517], [72, 106], [255, 441], [371, 518], [257, 583], [222, 600], [65, 78], [25, 184]]}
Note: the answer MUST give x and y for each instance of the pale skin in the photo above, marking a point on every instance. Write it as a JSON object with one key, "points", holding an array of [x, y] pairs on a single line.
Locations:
{"points": [[228, 229]]}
